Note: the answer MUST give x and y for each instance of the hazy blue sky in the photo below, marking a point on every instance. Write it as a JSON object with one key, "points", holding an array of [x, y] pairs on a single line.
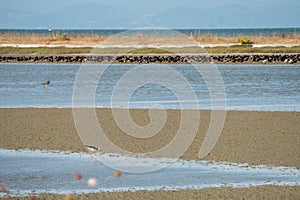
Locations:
{"points": [[149, 13]]}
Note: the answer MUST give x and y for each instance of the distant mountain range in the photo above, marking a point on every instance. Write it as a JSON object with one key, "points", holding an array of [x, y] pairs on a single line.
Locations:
{"points": [[219, 14]]}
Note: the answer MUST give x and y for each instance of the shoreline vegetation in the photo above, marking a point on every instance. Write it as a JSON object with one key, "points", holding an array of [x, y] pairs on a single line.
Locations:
{"points": [[79, 39], [76, 48], [145, 44], [149, 50]]}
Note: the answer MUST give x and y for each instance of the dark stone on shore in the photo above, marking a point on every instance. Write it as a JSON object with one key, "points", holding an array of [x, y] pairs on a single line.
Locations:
{"points": [[143, 59]]}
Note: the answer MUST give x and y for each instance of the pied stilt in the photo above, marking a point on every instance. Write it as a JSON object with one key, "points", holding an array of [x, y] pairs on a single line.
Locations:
{"points": [[92, 150], [46, 84]]}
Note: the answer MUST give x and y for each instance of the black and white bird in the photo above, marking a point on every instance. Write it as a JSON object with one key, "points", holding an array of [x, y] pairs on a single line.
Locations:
{"points": [[92, 149], [46, 84]]}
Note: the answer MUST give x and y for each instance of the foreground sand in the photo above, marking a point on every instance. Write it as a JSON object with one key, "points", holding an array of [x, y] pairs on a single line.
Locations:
{"points": [[264, 192], [271, 138]]}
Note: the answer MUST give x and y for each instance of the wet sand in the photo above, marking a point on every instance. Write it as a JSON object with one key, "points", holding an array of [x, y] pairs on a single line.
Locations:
{"points": [[263, 192], [252, 137], [248, 136]]}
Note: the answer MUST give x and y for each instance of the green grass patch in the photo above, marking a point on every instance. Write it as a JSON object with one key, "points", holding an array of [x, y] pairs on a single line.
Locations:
{"points": [[185, 50], [244, 40], [168, 50], [249, 49], [150, 51], [131, 50], [63, 50], [44, 50]]}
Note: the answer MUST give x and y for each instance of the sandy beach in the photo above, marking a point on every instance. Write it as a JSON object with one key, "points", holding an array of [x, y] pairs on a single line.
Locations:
{"points": [[263, 192], [269, 138]]}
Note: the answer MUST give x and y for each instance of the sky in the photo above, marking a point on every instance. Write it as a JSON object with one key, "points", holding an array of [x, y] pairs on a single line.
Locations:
{"points": [[124, 14]]}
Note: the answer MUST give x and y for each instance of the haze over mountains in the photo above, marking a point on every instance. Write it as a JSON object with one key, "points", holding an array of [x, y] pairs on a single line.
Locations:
{"points": [[140, 13]]}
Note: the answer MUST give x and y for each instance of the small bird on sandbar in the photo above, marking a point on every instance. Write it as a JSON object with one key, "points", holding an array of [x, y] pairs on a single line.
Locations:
{"points": [[46, 84]]}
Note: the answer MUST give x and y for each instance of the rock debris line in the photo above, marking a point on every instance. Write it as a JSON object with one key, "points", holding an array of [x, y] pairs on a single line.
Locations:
{"points": [[144, 59]]}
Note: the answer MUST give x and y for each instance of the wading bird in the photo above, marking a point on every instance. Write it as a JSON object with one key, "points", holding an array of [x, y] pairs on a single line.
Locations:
{"points": [[46, 84], [92, 150]]}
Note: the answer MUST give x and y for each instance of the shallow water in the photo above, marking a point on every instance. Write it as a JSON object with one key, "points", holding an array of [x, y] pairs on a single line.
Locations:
{"points": [[247, 87], [33, 172]]}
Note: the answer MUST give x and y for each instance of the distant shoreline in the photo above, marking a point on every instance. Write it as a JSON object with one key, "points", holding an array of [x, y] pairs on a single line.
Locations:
{"points": [[142, 47]]}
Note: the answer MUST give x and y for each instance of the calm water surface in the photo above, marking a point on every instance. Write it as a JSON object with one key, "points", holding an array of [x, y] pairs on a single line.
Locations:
{"points": [[33, 172], [248, 87]]}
